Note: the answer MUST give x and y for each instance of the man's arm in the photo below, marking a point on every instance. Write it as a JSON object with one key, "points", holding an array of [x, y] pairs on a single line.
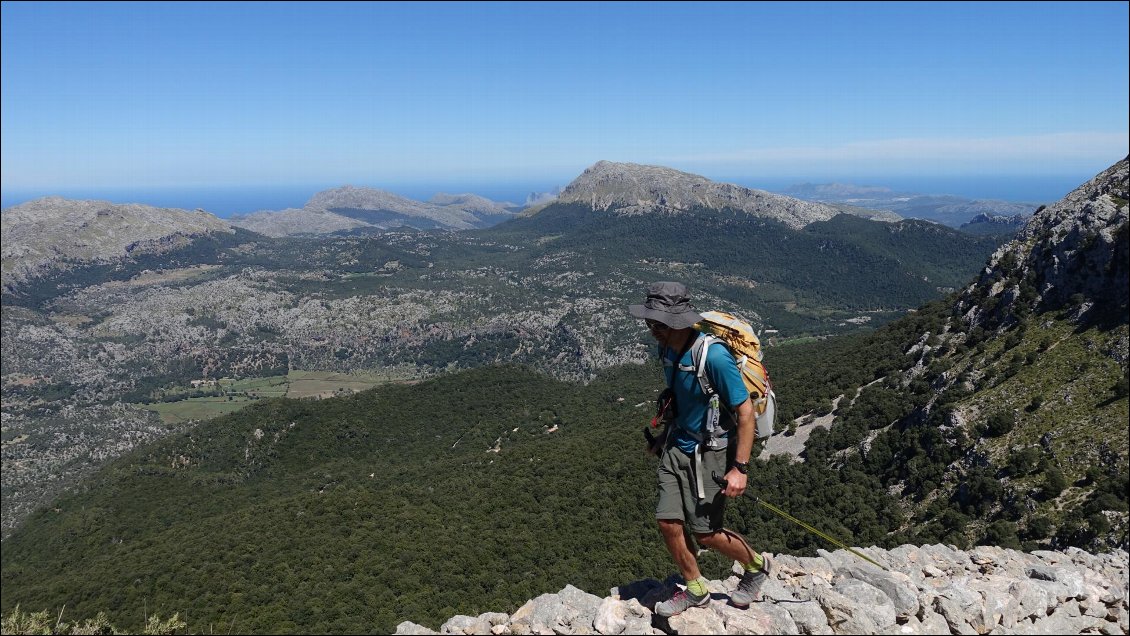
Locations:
{"points": [[724, 374], [735, 479]]}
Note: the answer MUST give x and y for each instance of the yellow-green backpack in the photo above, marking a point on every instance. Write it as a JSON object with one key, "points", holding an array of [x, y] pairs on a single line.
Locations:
{"points": [[738, 336]]}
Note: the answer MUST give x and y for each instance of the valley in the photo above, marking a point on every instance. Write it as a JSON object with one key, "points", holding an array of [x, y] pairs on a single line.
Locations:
{"points": [[304, 393]]}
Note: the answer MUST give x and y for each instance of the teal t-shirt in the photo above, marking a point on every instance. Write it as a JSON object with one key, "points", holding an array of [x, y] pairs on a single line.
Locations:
{"points": [[691, 402]]}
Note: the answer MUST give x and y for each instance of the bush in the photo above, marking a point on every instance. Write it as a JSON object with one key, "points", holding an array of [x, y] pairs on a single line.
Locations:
{"points": [[999, 424], [1038, 528], [1023, 462], [1001, 533], [1121, 388], [1054, 483]]}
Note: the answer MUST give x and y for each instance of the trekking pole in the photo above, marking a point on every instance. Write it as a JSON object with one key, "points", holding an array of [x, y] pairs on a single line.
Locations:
{"points": [[775, 510]]}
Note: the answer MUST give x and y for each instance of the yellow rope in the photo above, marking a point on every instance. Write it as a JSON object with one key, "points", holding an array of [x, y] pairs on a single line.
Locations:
{"points": [[804, 525]]}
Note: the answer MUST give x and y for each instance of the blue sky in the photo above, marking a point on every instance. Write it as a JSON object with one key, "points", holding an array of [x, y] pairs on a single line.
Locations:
{"points": [[185, 95]]}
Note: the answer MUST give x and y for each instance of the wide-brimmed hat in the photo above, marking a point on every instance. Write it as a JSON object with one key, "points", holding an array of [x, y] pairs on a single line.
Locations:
{"points": [[668, 303]]}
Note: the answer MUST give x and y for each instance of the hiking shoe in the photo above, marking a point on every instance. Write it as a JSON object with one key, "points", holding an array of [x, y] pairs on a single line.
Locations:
{"points": [[680, 602], [749, 588]]}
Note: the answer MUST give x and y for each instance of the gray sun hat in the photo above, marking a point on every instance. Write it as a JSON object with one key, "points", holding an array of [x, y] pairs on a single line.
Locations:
{"points": [[668, 303]]}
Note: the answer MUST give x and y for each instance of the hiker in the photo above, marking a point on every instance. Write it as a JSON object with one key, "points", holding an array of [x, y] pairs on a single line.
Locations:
{"points": [[690, 501]]}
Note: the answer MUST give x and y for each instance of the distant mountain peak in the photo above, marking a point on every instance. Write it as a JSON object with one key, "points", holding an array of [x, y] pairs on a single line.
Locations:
{"points": [[472, 203], [296, 222], [363, 198], [632, 188], [383, 209]]}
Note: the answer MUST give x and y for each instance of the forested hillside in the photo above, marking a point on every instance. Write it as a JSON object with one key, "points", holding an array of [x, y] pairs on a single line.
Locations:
{"points": [[417, 502], [95, 357], [793, 279], [475, 492]]}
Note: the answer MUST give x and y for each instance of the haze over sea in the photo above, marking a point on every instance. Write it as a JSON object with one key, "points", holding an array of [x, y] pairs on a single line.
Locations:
{"points": [[225, 201]]}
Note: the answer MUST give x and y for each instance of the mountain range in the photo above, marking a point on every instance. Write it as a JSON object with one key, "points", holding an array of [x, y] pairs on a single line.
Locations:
{"points": [[984, 404], [947, 209], [43, 230]]}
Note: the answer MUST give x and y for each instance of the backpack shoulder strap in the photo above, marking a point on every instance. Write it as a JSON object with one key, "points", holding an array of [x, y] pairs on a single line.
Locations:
{"points": [[698, 360], [713, 436]]}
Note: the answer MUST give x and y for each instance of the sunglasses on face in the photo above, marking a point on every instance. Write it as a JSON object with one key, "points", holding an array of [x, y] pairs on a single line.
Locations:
{"points": [[655, 325]]}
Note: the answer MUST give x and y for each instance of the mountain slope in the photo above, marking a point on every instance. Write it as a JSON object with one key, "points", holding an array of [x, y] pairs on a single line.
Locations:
{"points": [[1006, 419], [631, 188], [53, 234], [1072, 252], [347, 209], [785, 276], [385, 209], [372, 508], [296, 222]]}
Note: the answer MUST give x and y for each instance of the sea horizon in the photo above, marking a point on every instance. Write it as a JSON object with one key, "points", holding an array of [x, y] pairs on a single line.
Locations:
{"points": [[226, 201]]}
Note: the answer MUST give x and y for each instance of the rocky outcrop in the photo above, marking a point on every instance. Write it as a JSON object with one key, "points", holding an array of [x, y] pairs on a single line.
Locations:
{"points": [[631, 188], [296, 222], [1071, 253], [932, 589], [998, 224], [53, 234]]}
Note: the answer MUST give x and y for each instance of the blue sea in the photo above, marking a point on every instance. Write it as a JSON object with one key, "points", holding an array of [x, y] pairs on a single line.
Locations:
{"points": [[224, 201]]}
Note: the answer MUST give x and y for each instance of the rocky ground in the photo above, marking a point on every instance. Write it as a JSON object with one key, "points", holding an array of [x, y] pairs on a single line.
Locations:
{"points": [[933, 589]]}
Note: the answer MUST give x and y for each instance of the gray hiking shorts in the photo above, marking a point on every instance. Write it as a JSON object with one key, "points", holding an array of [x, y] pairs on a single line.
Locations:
{"points": [[678, 499]]}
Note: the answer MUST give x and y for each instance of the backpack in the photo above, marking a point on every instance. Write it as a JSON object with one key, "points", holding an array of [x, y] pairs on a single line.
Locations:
{"points": [[738, 336]]}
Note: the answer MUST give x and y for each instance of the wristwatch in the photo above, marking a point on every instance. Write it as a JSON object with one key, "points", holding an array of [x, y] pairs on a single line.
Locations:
{"points": [[743, 467]]}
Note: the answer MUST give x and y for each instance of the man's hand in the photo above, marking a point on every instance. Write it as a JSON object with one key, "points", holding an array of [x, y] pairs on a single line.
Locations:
{"points": [[654, 442], [735, 483]]}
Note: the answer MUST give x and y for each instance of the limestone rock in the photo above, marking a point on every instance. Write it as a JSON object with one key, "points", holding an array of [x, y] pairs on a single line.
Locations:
{"points": [[934, 589]]}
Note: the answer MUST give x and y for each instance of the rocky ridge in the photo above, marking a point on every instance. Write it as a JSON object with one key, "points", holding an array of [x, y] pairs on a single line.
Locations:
{"points": [[53, 233], [932, 589], [472, 203], [1076, 246], [350, 208], [357, 200], [296, 222], [989, 223], [631, 188]]}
